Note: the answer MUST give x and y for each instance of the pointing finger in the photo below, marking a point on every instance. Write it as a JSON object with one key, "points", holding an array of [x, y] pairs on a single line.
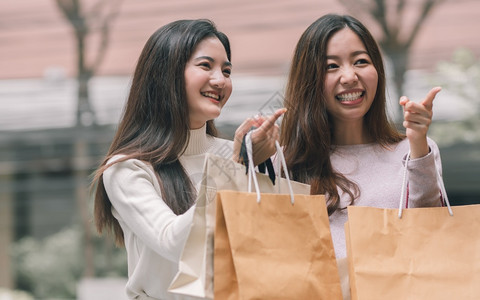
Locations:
{"points": [[270, 121], [428, 101]]}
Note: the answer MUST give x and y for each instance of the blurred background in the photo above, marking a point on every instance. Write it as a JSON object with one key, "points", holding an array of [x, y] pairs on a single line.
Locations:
{"points": [[65, 68]]}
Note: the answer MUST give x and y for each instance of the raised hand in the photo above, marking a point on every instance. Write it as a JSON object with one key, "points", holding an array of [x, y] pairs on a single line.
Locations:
{"points": [[263, 137], [417, 119]]}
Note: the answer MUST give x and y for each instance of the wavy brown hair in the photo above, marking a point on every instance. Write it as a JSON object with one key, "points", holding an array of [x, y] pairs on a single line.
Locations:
{"points": [[153, 127], [307, 127]]}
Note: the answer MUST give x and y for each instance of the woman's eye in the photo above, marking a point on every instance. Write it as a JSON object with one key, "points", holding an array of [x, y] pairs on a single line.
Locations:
{"points": [[331, 66], [362, 61], [205, 65], [227, 72]]}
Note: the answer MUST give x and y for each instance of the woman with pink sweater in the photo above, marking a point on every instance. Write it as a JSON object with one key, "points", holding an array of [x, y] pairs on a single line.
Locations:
{"points": [[336, 134]]}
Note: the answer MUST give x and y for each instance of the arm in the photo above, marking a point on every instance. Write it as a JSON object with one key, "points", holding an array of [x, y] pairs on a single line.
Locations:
{"points": [[134, 192], [424, 190]]}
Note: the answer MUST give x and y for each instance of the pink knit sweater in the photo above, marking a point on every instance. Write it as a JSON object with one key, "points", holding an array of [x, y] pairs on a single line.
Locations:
{"points": [[378, 173]]}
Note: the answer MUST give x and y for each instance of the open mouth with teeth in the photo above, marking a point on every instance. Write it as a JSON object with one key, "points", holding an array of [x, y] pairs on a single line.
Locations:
{"points": [[350, 97], [211, 95]]}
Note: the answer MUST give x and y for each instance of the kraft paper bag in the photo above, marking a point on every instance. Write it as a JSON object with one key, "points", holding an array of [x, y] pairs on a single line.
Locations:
{"points": [[274, 249], [414, 253], [426, 254], [195, 275]]}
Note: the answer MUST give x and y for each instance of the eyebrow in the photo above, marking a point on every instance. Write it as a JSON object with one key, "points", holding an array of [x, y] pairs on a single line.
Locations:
{"points": [[355, 53], [226, 63]]}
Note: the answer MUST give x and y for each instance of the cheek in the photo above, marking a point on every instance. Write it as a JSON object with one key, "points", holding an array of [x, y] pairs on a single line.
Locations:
{"points": [[373, 80], [228, 90], [189, 84], [195, 77], [329, 85]]}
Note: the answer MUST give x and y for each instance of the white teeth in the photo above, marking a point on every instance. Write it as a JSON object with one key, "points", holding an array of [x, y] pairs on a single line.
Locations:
{"points": [[349, 96], [211, 95]]}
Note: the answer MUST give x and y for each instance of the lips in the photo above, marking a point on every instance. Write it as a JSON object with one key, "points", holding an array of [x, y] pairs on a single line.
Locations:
{"points": [[350, 97], [211, 95]]}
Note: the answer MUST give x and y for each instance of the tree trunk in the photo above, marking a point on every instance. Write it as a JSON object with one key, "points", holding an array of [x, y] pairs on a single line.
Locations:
{"points": [[399, 57], [85, 113], [81, 197], [6, 230], [85, 118]]}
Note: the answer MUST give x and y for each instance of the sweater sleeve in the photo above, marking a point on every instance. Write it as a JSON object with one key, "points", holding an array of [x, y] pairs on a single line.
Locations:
{"points": [[423, 188], [131, 187]]}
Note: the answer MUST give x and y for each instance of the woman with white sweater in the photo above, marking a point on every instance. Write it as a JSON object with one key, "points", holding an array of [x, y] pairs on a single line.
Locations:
{"points": [[145, 187]]}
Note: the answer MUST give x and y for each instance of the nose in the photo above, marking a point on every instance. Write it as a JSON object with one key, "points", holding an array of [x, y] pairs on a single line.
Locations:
{"points": [[348, 76], [217, 79]]}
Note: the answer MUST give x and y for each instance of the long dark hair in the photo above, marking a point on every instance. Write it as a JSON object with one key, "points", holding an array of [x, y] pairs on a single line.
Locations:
{"points": [[307, 127], [153, 127]]}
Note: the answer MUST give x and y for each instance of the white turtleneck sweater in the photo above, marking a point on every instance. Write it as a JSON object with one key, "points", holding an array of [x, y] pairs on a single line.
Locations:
{"points": [[154, 235]]}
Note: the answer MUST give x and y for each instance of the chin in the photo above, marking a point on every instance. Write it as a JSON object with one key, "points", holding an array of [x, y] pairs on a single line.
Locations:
{"points": [[214, 114]]}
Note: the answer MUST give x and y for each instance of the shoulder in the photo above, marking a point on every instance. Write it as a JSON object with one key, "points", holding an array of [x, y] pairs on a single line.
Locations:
{"points": [[122, 161], [119, 168]]}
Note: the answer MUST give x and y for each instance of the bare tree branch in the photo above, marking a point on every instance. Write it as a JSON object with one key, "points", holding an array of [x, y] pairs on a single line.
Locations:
{"points": [[83, 23], [105, 34], [399, 17], [72, 11], [426, 9], [68, 8]]}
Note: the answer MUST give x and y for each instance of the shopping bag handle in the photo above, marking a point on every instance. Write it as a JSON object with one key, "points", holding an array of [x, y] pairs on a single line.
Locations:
{"points": [[404, 188], [252, 176]]}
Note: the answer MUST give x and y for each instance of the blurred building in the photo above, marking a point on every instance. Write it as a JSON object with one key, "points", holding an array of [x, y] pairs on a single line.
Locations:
{"points": [[45, 160]]}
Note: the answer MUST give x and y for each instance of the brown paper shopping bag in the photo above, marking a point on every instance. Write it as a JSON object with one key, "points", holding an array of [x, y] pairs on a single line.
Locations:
{"points": [[195, 275], [273, 249], [415, 253], [273, 246]]}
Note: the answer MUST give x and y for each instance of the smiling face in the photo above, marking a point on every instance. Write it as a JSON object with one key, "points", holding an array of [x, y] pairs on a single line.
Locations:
{"points": [[207, 80], [350, 80]]}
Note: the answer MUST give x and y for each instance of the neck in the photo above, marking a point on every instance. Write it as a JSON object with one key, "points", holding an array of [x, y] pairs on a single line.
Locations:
{"points": [[353, 133], [198, 142]]}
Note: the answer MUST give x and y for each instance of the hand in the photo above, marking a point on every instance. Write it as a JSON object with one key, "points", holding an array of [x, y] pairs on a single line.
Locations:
{"points": [[417, 119], [263, 137]]}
